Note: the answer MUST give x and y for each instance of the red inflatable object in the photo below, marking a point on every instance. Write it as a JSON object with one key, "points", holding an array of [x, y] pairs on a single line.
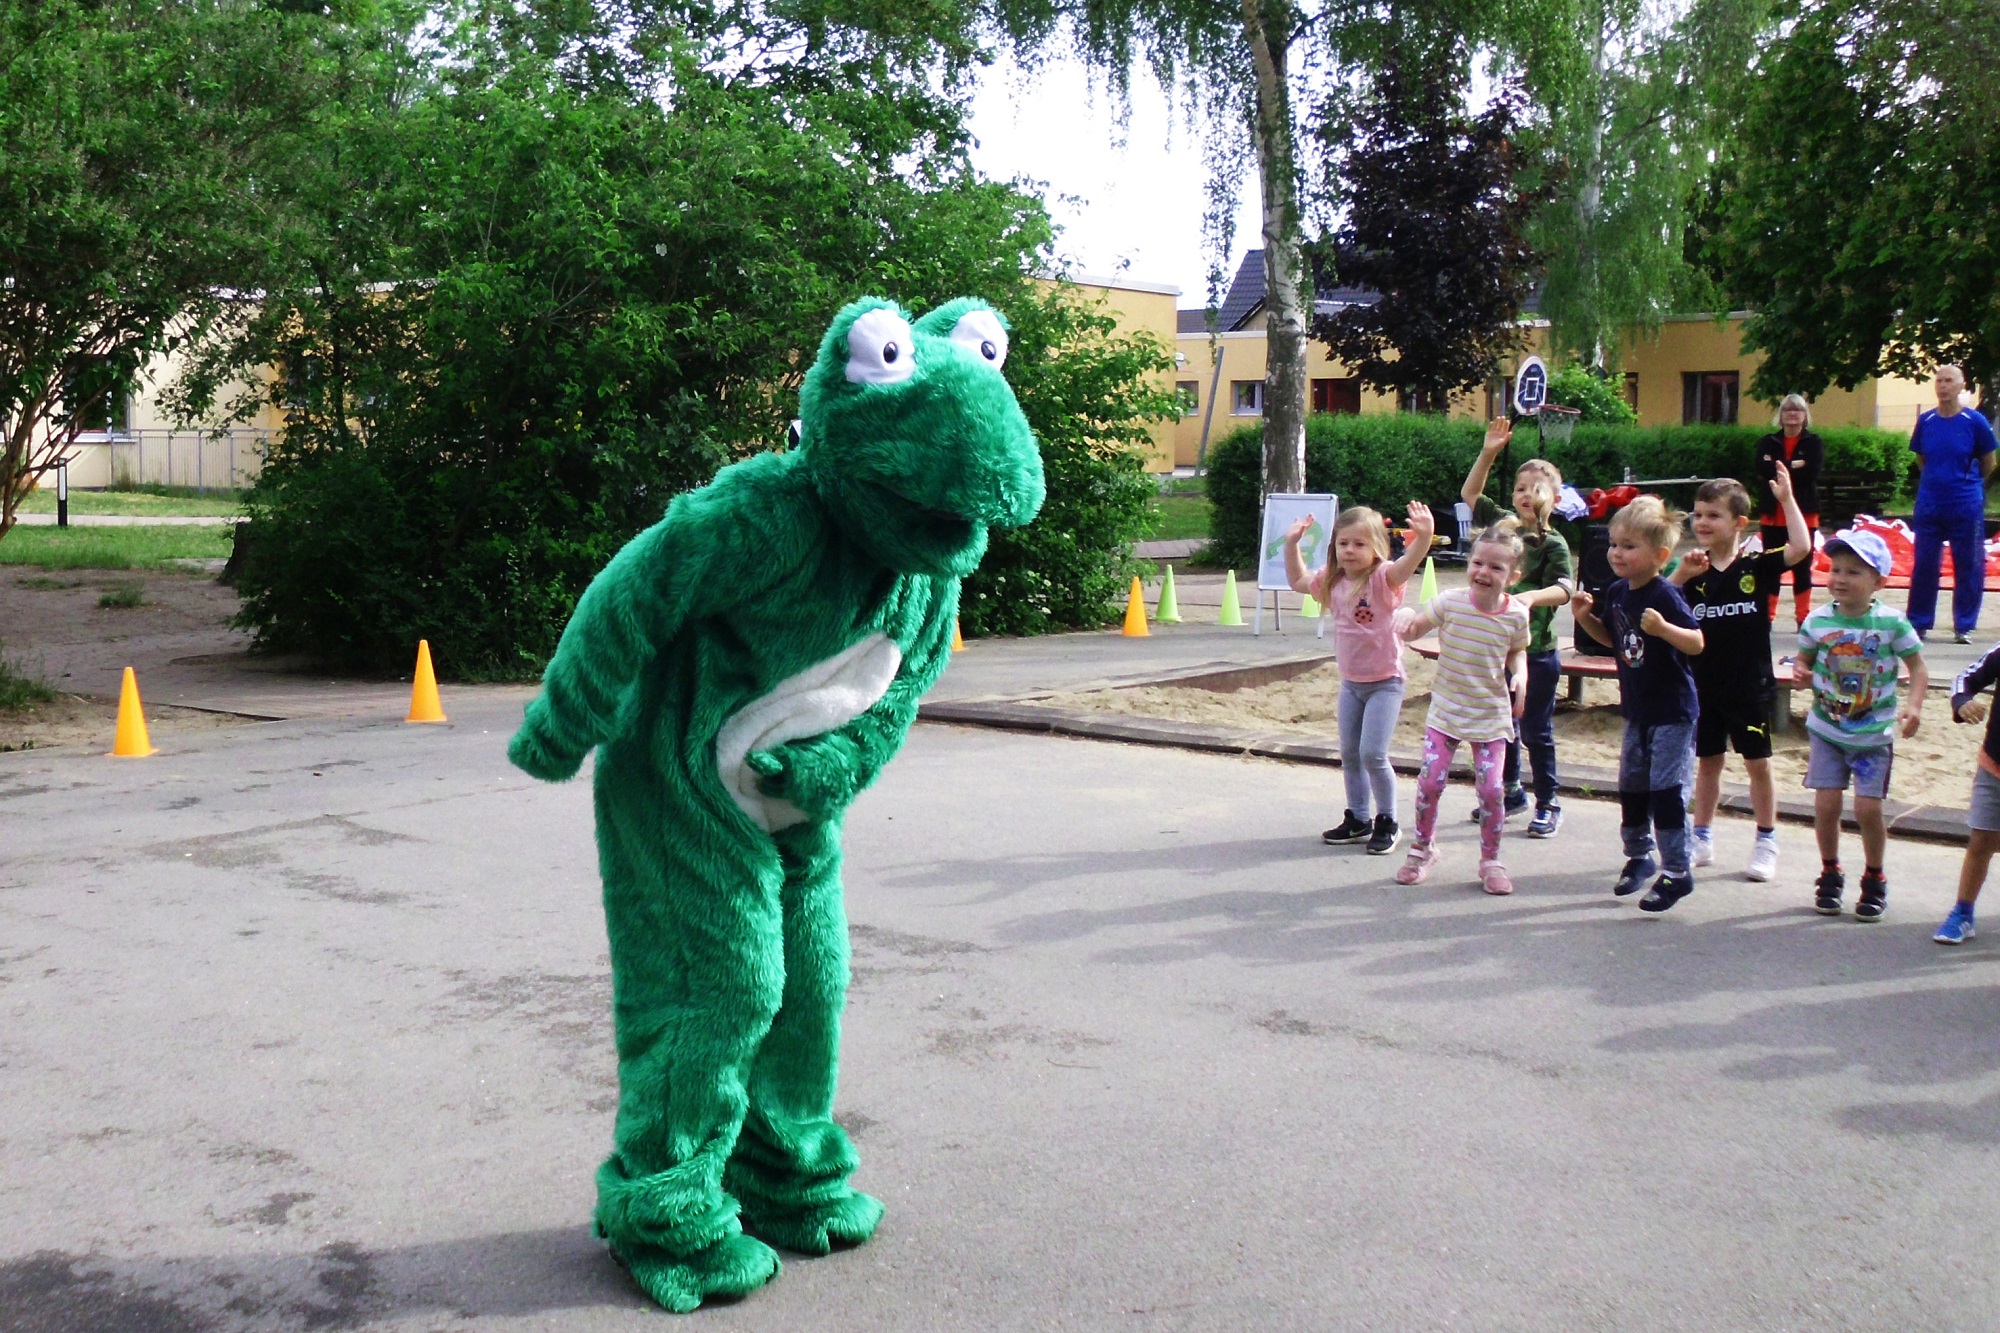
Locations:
{"points": [[1903, 552]]}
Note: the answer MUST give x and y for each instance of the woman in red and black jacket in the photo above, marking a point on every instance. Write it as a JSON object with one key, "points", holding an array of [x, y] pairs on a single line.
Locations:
{"points": [[1795, 448]]}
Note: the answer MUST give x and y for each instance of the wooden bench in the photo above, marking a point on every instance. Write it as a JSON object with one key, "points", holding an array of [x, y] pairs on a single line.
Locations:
{"points": [[1843, 494]]}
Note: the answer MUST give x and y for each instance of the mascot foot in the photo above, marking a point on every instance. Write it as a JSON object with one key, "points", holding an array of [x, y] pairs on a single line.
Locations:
{"points": [[818, 1229], [733, 1266]]}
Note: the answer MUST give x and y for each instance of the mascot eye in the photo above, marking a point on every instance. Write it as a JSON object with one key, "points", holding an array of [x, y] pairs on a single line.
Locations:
{"points": [[879, 349], [980, 332]]}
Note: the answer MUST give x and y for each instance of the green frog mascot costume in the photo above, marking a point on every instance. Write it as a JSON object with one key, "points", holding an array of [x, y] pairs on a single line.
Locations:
{"points": [[745, 667]]}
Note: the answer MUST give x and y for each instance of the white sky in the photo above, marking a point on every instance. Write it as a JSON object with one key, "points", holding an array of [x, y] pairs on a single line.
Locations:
{"points": [[1129, 199]]}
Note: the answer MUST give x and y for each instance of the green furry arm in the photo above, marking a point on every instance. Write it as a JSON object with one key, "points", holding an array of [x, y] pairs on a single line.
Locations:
{"points": [[822, 775], [639, 602]]}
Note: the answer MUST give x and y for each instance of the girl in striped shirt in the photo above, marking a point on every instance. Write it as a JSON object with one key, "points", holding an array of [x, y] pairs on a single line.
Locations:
{"points": [[1480, 688]]}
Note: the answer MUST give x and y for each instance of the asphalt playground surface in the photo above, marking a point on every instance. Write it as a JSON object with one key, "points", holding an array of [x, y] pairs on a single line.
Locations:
{"points": [[303, 1025]]}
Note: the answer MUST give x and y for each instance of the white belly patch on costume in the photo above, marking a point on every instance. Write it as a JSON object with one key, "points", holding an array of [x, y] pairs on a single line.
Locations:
{"points": [[824, 696]]}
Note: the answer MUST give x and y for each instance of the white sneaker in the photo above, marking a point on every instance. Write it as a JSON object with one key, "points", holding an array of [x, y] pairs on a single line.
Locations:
{"points": [[1702, 851], [1763, 861]]}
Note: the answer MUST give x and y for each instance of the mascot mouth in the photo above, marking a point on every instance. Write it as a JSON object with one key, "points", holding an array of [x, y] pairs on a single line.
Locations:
{"points": [[939, 529]]}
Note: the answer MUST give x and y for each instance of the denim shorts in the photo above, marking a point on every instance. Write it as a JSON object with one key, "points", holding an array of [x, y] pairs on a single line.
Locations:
{"points": [[1830, 766], [1983, 811]]}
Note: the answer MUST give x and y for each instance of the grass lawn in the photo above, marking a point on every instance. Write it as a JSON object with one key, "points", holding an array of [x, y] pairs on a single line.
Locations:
{"points": [[135, 547], [160, 501], [1178, 516]]}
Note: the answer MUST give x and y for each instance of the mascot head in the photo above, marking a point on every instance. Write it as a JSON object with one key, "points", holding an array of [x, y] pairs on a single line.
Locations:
{"points": [[913, 437]]}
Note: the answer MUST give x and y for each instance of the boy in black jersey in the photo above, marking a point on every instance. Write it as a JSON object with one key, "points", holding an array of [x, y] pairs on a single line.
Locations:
{"points": [[1731, 595], [1982, 812]]}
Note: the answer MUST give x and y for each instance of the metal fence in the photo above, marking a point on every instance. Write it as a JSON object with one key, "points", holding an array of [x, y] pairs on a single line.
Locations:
{"points": [[202, 459]]}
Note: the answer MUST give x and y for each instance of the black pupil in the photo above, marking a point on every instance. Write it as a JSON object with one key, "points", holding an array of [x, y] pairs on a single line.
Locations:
{"points": [[988, 351], [890, 352]]}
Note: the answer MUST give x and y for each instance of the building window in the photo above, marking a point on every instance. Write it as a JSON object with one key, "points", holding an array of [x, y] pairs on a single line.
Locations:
{"points": [[1632, 391], [109, 415], [1246, 398], [1190, 396], [1337, 395], [1708, 397], [1422, 400]]}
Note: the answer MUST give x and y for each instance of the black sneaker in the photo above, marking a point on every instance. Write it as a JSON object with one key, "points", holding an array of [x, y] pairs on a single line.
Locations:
{"points": [[1634, 876], [1668, 890], [1874, 898], [1826, 894], [1353, 828], [1386, 836]]}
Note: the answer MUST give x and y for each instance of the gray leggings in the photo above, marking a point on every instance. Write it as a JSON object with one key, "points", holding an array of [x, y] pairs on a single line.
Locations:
{"points": [[1368, 712]]}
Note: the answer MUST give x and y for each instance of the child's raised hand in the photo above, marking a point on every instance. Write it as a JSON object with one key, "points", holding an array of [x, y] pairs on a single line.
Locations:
{"points": [[1909, 717], [1652, 622], [1580, 602], [1300, 527], [1694, 564], [1498, 432], [1974, 711], [1781, 484], [1422, 525]]}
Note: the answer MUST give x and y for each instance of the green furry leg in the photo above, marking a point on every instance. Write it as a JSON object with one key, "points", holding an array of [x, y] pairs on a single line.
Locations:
{"points": [[733, 1266], [818, 1228]]}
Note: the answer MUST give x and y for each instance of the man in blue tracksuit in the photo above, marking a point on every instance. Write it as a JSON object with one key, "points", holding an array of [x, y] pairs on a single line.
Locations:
{"points": [[1955, 454]]}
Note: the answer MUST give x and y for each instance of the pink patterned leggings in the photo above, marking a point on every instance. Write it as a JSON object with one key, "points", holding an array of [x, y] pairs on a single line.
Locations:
{"points": [[1487, 759]]}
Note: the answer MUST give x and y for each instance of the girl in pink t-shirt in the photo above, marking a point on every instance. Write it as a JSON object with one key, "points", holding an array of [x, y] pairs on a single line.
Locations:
{"points": [[1361, 589]]}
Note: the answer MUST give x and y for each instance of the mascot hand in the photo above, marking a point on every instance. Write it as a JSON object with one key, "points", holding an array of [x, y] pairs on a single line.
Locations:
{"points": [[816, 775], [534, 753]]}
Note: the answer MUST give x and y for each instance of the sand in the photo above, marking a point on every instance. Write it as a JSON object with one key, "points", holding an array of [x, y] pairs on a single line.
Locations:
{"points": [[1933, 768]]}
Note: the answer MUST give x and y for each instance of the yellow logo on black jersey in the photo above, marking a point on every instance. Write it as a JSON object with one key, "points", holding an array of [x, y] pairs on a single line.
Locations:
{"points": [[1747, 583]]}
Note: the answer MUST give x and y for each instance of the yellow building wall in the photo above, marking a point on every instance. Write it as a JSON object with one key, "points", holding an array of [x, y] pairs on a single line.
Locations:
{"points": [[1688, 344], [1141, 307]]}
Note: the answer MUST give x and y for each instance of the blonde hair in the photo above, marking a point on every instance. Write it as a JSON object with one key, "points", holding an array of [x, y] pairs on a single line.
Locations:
{"points": [[1541, 491], [1504, 533], [1797, 400], [1650, 520], [1361, 516]]}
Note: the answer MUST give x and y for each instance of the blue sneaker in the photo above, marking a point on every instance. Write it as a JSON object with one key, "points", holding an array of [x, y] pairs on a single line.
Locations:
{"points": [[1547, 820], [1957, 927], [1634, 877]]}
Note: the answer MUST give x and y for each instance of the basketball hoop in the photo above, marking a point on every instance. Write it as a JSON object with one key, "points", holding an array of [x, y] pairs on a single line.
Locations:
{"points": [[1557, 423]]}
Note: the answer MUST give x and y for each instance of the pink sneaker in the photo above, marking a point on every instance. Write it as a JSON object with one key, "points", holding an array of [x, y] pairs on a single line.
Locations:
{"points": [[1416, 866], [1493, 878]]}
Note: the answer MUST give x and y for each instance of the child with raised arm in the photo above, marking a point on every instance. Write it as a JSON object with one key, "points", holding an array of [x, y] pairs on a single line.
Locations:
{"points": [[1982, 812], [1850, 652], [1647, 623], [1361, 589], [1546, 577], [1478, 692], [1731, 595]]}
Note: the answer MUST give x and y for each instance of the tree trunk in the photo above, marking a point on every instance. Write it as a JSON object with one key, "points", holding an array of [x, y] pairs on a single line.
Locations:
{"points": [[1287, 289], [1590, 199]]}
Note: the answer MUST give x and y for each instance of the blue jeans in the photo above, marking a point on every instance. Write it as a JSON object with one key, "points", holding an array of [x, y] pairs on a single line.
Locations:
{"points": [[1537, 728], [1654, 765], [1368, 712], [1966, 531]]}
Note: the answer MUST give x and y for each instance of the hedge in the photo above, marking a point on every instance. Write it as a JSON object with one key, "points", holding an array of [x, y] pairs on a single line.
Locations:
{"points": [[1387, 461]]}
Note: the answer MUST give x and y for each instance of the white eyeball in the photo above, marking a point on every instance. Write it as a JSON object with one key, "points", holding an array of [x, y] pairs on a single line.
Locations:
{"points": [[881, 349], [979, 332]]}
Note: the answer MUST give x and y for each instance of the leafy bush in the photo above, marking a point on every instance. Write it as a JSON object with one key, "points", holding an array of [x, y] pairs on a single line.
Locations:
{"points": [[1598, 399], [1387, 461]]}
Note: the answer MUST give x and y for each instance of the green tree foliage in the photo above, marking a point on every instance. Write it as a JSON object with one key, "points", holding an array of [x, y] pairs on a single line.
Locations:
{"points": [[1432, 221], [531, 299], [1594, 395], [1860, 230], [127, 132]]}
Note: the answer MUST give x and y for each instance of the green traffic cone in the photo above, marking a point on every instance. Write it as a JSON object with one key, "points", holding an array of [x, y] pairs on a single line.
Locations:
{"points": [[1430, 583], [1170, 607], [1309, 609], [1232, 614]]}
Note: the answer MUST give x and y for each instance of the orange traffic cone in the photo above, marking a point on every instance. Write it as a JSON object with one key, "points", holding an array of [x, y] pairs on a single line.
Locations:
{"points": [[424, 705], [132, 742], [1135, 612], [957, 639]]}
